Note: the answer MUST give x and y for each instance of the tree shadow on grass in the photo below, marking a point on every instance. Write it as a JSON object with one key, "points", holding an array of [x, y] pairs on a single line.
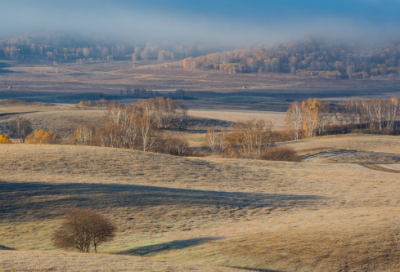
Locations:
{"points": [[173, 245], [257, 269], [6, 248], [39, 200]]}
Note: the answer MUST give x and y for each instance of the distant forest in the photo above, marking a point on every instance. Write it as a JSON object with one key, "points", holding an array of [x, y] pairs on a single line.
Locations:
{"points": [[312, 57], [67, 48], [308, 58]]}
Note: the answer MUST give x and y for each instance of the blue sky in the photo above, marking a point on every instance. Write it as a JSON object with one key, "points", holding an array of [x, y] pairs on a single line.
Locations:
{"points": [[229, 21]]}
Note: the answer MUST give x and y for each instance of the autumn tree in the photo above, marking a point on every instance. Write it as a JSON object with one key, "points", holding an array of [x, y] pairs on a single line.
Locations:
{"points": [[83, 229], [4, 139], [310, 110], [43, 137], [20, 128]]}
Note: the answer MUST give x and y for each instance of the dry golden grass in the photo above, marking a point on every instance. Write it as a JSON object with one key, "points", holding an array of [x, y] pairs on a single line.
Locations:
{"points": [[60, 118], [365, 142], [284, 216], [36, 261], [277, 118]]}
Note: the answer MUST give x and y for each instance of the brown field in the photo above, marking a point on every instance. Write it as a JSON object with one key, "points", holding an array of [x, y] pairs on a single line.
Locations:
{"points": [[277, 118], [206, 89], [279, 216], [37, 261]]}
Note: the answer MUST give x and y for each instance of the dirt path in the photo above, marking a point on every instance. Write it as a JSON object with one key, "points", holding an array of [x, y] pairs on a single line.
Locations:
{"points": [[380, 168]]}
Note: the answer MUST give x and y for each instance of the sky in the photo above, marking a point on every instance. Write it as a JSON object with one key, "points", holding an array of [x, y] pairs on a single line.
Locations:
{"points": [[237, 22]]}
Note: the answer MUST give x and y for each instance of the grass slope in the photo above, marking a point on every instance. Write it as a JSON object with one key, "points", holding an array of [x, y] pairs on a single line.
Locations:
{"points": [[308, 216]]}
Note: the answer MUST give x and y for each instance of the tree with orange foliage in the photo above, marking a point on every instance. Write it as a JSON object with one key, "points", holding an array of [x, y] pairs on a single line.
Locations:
{"points": [[4, 139], [42, 137], [81, 104], [310, 110]]}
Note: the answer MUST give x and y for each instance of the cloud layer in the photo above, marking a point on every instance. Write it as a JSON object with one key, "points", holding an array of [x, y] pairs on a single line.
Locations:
{"points": [[215, 21]]}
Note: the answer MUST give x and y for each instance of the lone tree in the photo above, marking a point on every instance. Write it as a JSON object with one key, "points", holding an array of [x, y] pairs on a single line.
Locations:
{"points": [[20, 128], [82, 229]]}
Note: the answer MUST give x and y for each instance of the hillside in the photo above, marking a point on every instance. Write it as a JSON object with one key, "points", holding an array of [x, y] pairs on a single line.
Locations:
{"points": [[310, 216], [308, 57]]}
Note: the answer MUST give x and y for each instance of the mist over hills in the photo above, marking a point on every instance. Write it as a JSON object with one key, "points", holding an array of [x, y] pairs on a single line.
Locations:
{"points": [[313, 56], [349, 39], [234, 23]]}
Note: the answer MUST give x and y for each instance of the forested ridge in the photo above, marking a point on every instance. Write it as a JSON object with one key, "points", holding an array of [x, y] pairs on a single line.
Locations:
{"points": [[309, 57], [75, 48]]}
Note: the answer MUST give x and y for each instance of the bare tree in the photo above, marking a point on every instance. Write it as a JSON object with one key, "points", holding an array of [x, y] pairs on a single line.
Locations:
{"points": [[212, 137], [294, 119], [20, 128], [222, 136], [250, 139], [148, 133], [84, 134], [82, 229], [181, 115], [324, 117]]}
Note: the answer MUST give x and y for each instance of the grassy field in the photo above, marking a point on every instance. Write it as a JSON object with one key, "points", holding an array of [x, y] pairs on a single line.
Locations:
{"points": [[277, 118], [279, 216], [60, 118], [206, 89]]}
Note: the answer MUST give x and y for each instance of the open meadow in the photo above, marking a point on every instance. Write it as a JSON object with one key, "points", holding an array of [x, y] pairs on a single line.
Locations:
{"points": [[316, 215], [70, 82]]}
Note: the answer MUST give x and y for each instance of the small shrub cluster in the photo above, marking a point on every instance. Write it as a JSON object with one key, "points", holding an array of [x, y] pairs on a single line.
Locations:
{"points": [[251, 140], [281, 153]]}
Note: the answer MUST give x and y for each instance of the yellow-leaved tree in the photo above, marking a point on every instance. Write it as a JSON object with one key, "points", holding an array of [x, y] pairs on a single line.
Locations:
{"points": [[310, 114], [42, 137], [4, 139]]}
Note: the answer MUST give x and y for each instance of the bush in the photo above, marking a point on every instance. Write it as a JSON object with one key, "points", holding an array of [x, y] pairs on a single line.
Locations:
{"points": [[43, 137], [281, 153], [176, 146], [4, 139], [82, 229], [282, 136]]}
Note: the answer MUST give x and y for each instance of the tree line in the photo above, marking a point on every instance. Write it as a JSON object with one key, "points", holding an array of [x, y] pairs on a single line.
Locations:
{"points": [[310, 57], [133, 93], [74, 48], [139, 126], [314, 117]]}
